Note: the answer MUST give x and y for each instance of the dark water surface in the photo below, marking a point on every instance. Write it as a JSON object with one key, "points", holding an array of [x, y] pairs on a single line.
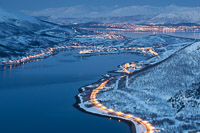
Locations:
{"points": [[38, 97]]}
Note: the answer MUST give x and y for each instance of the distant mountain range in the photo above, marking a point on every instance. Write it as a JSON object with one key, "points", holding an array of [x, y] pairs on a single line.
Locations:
{"points": [[22, 35], [131, 14]]}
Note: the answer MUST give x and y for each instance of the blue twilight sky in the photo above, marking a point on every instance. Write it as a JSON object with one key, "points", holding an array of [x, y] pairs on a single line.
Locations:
{"points": [[41, 4]]}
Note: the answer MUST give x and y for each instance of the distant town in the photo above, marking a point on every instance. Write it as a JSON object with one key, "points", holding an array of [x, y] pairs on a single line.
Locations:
{"points": [[152, 27]]}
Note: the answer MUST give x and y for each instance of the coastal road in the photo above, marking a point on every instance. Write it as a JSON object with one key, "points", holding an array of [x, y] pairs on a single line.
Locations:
{"points": [[146, 126]]}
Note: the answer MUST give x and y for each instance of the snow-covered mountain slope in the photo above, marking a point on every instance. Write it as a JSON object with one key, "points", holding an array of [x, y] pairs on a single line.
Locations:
{"points": [[131, 14], [167, 94], [164, 45], [157, 40], [21, 34], [8, 15], [78, 11]]}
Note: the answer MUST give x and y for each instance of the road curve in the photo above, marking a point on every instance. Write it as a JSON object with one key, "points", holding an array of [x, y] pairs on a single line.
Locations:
{"points": [[148, 127], [93, 98]]}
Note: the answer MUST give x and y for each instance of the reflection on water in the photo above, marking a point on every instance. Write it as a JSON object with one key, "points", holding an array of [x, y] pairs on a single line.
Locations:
{"points": [[38, 97]]}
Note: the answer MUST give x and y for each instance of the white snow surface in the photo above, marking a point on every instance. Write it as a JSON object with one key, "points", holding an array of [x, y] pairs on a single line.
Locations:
{"points": [[148, 92], [6, 14], [22, 35], [133, 14]]}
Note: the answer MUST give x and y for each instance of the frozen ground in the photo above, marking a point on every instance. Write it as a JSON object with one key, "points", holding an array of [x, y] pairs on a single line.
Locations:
{"points": [[166, 94]]}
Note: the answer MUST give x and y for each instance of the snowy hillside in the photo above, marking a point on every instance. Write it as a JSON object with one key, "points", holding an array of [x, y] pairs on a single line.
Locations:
{"points": [[131, 14], [157, 40], [78, 11], [8, 15], [167, 94], [21, 34]]}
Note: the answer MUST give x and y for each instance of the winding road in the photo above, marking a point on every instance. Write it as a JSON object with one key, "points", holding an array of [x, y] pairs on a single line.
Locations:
{"points": [[146, 126]]}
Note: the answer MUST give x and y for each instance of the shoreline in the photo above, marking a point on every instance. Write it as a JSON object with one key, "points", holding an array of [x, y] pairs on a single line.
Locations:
{"points": [[78, 101], [19, 60], [76, 105], [130, 121], [100, 110], [135, 124]]}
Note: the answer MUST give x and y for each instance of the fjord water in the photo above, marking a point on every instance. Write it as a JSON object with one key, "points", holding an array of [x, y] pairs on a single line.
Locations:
{"points": [[38, 97]]}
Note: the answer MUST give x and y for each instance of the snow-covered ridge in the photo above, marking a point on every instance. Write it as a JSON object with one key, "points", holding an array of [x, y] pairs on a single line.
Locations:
{"points": [[157, 40], [132, 14], [167, 94], [22, 35], [5, 15], [129, 99], [62, 12]]}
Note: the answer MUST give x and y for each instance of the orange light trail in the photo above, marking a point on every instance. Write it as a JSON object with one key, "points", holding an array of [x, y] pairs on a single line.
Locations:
{"points": [[93, 99]]}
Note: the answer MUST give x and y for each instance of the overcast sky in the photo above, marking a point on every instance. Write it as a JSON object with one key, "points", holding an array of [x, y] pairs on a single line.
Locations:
{"points": [[42, 4]]}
